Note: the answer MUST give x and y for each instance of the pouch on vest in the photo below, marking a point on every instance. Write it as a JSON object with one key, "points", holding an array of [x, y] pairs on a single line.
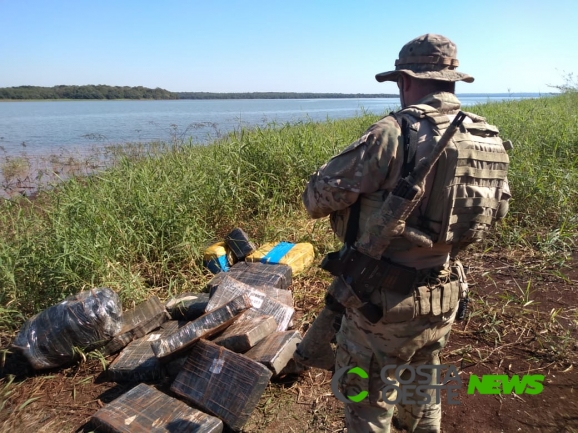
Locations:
{"points": [[398, 306], [437, 300], [369, 203]]}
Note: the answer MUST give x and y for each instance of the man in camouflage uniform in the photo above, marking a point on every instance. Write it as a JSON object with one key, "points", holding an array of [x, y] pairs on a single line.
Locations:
{"points": [[416, 322]]}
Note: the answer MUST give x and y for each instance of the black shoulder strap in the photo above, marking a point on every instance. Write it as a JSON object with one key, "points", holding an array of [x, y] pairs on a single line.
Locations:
{"points": [[352, 223], [409, 148]]}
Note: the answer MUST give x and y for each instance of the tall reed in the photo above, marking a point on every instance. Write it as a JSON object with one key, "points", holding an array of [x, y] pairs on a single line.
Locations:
{"points": [[141, 226], [543, 172]]}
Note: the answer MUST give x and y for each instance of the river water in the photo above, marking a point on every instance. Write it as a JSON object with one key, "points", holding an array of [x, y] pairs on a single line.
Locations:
{"points": [[48, 127], [44, 142]]}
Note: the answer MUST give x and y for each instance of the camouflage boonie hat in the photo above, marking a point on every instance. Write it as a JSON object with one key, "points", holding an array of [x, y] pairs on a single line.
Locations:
{"points": [[429, 56]]}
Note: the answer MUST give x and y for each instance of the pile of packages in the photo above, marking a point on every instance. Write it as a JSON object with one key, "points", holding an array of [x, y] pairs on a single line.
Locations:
{"points": [[220, 348]]}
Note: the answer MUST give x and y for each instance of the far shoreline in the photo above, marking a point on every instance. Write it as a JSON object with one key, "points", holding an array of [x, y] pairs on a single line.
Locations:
{"points": [[300, 96]]}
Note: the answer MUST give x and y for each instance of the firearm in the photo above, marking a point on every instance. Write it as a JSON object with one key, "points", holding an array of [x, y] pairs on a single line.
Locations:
{"points": [[359, 269]]}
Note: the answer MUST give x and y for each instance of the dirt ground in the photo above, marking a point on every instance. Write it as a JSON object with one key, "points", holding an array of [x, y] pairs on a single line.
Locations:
{"points": [[523, 320]]}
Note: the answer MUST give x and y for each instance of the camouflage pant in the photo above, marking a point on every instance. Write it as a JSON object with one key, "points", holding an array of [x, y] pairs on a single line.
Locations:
{"points": [[370, 347]]}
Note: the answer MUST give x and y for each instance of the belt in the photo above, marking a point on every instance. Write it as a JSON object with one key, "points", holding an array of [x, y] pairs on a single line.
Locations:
{"points": [[365, 274]]}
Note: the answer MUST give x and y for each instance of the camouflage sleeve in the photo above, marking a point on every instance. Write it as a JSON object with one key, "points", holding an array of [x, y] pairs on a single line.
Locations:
{"points": [[361, 168]]}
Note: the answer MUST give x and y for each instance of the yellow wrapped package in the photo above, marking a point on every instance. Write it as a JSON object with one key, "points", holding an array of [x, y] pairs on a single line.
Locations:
{"points": [[217, 258], [297, 256]]}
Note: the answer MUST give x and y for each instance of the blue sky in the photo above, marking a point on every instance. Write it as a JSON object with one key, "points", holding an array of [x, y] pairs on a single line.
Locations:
{"points": [[284, 46]]}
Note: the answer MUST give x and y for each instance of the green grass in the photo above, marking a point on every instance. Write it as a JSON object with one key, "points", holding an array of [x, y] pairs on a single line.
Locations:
{"points": [[543, 172], [141, 226]]}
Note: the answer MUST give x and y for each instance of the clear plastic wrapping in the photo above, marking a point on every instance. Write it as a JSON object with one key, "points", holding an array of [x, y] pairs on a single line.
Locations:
{"points": [[221, 382], [205, 326], [229, 288], [136, 363], [244, 334], [256, 274], [299, 256], [276, 350], [84, 321], [138, 322], [187, 306], [279, 295], [144, 409]]}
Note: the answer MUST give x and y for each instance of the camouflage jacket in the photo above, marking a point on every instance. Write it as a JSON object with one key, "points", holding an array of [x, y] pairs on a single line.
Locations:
{"points": [[369, 167]]}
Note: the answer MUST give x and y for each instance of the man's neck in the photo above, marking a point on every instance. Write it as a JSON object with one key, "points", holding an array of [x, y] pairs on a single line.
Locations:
{"points": [[442, 101]]}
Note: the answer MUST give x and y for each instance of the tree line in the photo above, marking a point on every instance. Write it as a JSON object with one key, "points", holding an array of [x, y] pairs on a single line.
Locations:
{"points": [[85, 92], [102, 91]]}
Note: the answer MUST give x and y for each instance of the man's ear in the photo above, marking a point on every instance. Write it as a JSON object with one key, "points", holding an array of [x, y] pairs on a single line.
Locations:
{"points": [[406, 83]]}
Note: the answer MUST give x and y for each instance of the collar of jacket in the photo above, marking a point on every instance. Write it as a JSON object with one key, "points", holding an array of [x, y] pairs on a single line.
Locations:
{"points": [[444, 102]]}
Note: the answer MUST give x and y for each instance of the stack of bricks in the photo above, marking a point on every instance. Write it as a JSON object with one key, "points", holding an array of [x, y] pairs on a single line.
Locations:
{"points": [[219, 363]]}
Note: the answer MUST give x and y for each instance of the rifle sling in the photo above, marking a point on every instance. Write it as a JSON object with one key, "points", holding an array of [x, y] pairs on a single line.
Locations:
{"points": [[352, 224]]}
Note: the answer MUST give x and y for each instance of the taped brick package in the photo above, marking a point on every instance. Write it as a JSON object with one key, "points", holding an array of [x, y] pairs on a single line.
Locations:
{"points": [[137, 362], [171, 326], [138, 322], [298, 256], [256, 274], [279, 295], [144, 409], [244, 334], [187, 306], [209, 324], [239, 243], [87, 321], [262, 305], [222, 383], [173, 367], [276, 350], [293, 368], [218, 258]]}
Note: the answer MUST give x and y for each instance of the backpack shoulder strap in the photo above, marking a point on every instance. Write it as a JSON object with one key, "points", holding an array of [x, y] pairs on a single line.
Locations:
{"points": [[409, 144]]}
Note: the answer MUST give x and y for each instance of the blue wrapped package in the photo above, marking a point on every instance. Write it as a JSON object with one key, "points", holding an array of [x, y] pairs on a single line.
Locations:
{"points": [[217, 258]]}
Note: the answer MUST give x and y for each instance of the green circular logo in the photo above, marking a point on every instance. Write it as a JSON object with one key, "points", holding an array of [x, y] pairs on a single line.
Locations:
{"points": [[348, 370]]}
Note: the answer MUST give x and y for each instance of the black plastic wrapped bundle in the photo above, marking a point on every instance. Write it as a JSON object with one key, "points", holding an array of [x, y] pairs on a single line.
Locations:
{"points": [[223, 383], [239, 243], [84, 321], [143, 409]]}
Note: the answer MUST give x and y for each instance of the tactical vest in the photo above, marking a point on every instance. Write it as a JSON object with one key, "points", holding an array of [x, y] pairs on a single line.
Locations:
{"points": [[464, 194]]}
